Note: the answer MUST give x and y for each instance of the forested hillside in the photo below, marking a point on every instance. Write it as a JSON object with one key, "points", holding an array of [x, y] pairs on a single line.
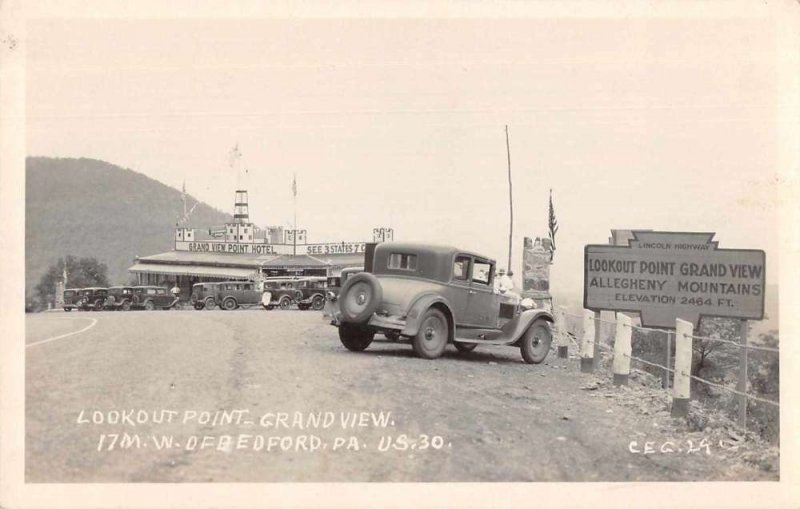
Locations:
{"points": [[86, 207]]}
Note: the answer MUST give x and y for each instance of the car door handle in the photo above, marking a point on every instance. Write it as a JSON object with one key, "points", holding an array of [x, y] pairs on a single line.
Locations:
{"points": [[472, 292]]}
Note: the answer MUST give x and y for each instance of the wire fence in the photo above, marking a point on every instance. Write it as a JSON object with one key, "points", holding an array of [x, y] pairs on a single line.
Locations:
{"points": [[667, 334]]}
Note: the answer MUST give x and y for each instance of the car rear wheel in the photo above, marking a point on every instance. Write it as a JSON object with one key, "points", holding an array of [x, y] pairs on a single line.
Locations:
{"points": [[67, 309], [285, 302], [535, 343], [149, 306], [199, 305], [229, 304], [98, 305], [431, 339], [126, 305], [465, 347], [209, 303], [318, 302], [355, 338]]}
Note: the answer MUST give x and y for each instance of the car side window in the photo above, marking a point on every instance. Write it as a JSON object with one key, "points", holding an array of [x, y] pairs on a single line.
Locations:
{"points": [[481, 272], [461, 268], [248, 286], [161, 291], [402, 261]]}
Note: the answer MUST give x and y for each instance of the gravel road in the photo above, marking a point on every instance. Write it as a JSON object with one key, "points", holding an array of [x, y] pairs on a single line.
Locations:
{"points": [[252, 395]]}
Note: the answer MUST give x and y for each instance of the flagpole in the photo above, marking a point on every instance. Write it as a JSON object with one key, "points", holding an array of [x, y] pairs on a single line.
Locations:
{"points": [[294, 192], [510, 205]]}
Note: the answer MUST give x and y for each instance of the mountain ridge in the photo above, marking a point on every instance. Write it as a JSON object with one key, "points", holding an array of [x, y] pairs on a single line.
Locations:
{"points": [[88, 207]]}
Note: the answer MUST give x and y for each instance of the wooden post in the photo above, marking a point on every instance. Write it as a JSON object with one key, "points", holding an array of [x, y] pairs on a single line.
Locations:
{"points": [[597, 326], [563, 338], [622, 350], [683, 368], [587, 344], [667, 360], [741, 385]]}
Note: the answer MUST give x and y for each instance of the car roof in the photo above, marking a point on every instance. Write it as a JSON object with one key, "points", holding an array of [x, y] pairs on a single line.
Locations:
{"points": [[95, 288], [116, 287], [434, 249]]}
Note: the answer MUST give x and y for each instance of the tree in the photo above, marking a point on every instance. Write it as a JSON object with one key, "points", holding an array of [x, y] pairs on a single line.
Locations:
{"points": [[552, 225], [81, 273]]}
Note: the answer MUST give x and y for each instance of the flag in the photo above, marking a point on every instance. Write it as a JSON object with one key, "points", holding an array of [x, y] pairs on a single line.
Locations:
{"points": [[294, 185]]}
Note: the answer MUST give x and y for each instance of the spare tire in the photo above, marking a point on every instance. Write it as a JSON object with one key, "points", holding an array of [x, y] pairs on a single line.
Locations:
{"points": [[298, 295], [360, 297]]}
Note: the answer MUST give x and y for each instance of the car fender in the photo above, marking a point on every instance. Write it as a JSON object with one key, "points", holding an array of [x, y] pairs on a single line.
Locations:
{"points": [[516, 328], [418, 308]]}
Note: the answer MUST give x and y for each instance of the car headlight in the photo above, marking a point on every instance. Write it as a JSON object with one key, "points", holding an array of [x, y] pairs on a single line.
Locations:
{"points": [[330, 296], [527, 303]]}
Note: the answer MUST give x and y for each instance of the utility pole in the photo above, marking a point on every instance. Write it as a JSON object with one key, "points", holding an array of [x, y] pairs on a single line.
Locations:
{"points": [[510, 204]]}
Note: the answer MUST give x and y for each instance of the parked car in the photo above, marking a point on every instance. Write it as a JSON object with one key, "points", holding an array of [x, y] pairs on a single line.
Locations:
{"points": [[435, 295], [203, 295], [119, 297], [280, 292], [153, 297], [310, 293], [92, 298], [232, 294], [71, 299]]}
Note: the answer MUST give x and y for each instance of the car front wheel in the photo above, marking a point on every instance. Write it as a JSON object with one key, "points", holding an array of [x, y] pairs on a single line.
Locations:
{"points": [[535, 343], [318, 303], [199, 305], [126, 305], [285, 302], [431, 339], [354, 337], [229, 304], [209, 303], [149, 306]]}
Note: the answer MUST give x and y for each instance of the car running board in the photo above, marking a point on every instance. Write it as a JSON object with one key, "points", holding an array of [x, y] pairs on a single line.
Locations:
{"points": [[499, 340]]}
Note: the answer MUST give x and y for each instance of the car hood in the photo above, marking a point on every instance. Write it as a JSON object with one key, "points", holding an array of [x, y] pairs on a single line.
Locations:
{"points": [[399, 293]]}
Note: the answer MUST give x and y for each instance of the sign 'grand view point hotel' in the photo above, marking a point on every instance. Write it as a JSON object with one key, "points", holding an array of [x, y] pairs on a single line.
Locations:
{"points": [[668, 275]]}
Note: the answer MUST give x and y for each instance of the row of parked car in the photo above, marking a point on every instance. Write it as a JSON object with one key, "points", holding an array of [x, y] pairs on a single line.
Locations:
{"points": [[119, 297], [282, 292]]}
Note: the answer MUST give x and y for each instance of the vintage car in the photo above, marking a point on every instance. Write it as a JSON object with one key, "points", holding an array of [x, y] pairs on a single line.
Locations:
{"points": [[71, 299], [310, 293], [203, 295], [232, 294], [119, 297], [153, 297], [280, 292], [92, 298], [435, 295]]}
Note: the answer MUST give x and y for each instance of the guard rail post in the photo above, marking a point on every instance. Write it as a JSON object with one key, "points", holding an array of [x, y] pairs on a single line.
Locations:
{"points": [[622, 350], [741, 384], [563, 338], [683, 368], [587, 344]]}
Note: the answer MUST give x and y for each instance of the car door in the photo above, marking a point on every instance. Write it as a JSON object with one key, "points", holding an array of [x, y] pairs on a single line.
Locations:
{"points": [[483, 302], [249, 294], [458, 291], [162, 298]]}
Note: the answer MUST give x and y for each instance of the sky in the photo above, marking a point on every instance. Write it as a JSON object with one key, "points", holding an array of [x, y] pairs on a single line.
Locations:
{"points": [[664, 124]]}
